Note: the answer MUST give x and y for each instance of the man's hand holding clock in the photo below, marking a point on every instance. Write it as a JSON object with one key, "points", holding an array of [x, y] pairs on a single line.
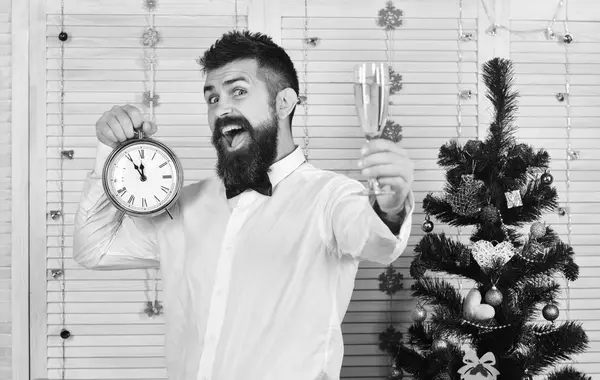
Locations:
{"points": [[157, 176]]}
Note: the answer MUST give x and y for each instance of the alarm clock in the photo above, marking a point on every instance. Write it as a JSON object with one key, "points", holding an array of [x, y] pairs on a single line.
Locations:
{"points": [[142, 177]]}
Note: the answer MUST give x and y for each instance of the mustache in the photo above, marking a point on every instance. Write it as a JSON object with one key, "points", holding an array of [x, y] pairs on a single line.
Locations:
{"points": [[226, 121]]}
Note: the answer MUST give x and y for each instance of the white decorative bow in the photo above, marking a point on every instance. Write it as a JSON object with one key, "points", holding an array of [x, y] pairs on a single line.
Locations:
{"points": [[478, 369]]}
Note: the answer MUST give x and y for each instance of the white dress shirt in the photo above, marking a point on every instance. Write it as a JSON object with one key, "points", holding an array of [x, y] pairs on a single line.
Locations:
{"points": [[255, 287]]}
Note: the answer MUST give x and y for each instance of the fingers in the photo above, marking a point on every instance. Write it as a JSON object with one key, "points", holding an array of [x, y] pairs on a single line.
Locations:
{"points": [[382, 145], [120, 124], [125, 121]]}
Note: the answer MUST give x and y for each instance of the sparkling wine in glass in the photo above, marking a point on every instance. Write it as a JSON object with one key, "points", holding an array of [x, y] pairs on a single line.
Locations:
{"points": [[371, 97]]}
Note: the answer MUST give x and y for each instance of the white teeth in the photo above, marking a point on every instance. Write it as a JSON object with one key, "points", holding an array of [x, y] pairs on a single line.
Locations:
{"points": [[230, 128]]}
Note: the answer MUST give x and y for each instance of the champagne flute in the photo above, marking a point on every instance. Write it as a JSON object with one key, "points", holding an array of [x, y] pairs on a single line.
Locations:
{"points": [[371, 97]]}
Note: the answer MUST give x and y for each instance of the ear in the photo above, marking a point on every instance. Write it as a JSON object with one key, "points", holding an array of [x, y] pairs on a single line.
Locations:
{"points": [[286, 101]]}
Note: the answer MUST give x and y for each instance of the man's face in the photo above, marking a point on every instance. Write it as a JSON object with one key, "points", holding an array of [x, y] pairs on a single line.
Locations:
{"points": [[242, 120]]}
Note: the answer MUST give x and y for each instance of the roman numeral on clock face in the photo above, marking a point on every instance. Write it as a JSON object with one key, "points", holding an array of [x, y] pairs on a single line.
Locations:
{"points": [[141, 152], [162, 165], [131, 199], [144, 203], [165, 189]]}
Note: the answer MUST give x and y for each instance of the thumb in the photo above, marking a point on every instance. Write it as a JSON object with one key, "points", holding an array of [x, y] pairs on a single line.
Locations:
{"points": [[149, 128]]}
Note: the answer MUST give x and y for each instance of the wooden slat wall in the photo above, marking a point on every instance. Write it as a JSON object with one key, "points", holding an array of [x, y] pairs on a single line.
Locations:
{"points": [[112, 337], [5, 191]]}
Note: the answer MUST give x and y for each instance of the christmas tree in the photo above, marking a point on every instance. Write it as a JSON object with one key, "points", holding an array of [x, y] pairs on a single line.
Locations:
{"points": [[501, 189]]}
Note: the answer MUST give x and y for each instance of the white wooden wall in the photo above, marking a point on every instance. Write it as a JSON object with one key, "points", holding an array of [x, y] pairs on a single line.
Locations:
{"points": [[112, 338], [5, 191]]}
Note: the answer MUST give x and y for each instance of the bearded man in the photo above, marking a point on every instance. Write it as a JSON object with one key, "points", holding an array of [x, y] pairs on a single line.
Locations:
{"points": [[259, 261]]}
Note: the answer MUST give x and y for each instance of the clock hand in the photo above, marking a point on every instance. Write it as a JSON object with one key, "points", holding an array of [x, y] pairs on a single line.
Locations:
{"points": [[142, 176], [142, 172]]}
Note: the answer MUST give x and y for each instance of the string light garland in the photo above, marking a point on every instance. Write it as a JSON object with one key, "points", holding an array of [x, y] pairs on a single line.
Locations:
{"points": [[150, 100], [548, 31], [569, 154], [303, 100], [59, 215]]}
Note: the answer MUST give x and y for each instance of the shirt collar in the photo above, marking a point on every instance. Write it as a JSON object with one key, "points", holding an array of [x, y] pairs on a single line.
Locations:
{"points": [[286, 166]]}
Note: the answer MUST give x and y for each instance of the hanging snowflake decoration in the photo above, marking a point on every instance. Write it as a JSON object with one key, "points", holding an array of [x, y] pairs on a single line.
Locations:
{"points": [[390, 281], [395, 81], [392, 131], [153, 309], [150, 99], [150, 37], [390, 17]]}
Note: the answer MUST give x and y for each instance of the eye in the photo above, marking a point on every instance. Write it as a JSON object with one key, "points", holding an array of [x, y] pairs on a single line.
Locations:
{"points": [[239, 92], [212, 99]]}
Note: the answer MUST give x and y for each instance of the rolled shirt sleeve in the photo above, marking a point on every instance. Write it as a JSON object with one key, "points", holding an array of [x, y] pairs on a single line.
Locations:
{"points": [[355, 229]]}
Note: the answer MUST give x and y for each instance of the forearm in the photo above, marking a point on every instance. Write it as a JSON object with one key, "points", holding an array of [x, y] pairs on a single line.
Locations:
{"points": [[103, 237]]}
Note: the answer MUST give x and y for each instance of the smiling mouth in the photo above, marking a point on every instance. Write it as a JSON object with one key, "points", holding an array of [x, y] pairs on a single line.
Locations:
{"points": [[234, 135]]}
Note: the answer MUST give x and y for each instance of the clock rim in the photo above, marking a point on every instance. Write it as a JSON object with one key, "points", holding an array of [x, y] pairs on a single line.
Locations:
{"points": [[178, 183]]}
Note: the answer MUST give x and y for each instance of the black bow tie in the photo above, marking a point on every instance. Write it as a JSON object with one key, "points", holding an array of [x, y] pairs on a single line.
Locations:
{"points": [[262, 186]]}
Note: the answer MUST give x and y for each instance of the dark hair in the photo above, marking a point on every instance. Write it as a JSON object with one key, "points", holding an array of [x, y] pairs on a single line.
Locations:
{"points": [[275, 67]]}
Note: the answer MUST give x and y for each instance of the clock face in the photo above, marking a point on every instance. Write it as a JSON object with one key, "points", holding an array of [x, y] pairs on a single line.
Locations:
{"points": [[142, 178]]}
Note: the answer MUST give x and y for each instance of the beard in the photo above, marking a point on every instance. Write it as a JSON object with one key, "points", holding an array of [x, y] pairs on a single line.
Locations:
{"points": [[251, 161]]}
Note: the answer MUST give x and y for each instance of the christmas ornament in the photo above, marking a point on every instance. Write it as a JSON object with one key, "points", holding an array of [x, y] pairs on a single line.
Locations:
{"points": [[150, 4], [473, 146], [312, 41], [442, 376], [474, 310], [547, 179], [550, 312], [513, 199], [390, 17], [561, 96], [572, 154], [153, 308], [533, 250], [492, 30], [464, 200], [439, 346], [390, 281], [63, 36], [493, 297], [466, 37], [568, 38], [478, 368], [395, 81], [489, 214], [465, 94], [392, 131], [486, 254], [419, 314], [147, 99], [537, 230], [427, 226], [396, 373], [150, 37], [65, 334], [389, 339], [549, 33]]}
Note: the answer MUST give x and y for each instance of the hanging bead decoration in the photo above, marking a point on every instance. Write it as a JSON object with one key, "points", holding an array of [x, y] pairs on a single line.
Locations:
{"points": [[569, 157], [59, 214], [548, 31], [303, 100], [462, 94], [389, 18], [150, 99]]}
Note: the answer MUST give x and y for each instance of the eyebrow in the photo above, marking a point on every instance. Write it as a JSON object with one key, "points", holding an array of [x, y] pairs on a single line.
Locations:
{"points": [[226, 83]]}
